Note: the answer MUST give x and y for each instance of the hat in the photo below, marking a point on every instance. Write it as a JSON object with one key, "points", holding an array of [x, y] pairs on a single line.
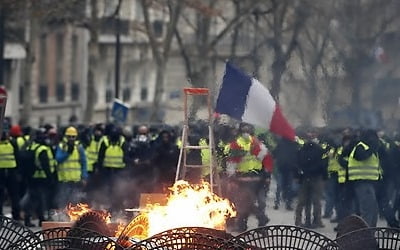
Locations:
{"points": [[15, 130], [71, 131]]}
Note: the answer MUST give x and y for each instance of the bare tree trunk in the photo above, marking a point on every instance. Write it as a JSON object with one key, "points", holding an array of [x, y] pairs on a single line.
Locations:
{"points": [[312, 98], [201, 78], [93, 58], [33, 26], [160, 53], [159, 90], [91, 88], [278, 67]]}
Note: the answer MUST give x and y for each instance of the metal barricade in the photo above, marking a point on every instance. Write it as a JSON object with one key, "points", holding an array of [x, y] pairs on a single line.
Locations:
{"points": [[12, 231], [370, 239], [282, 237], [190, 238], [67, 238]]}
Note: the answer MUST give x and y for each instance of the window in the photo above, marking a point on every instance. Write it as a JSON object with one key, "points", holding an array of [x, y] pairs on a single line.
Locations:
{"points": [[60, 88], [60, 92], [59, 57], [126, 90], [109, 86], [42, 59], [126, 94], [143, 94], [42, 93], [109, 95], [75, 60], [158, 28], [75, 91]]}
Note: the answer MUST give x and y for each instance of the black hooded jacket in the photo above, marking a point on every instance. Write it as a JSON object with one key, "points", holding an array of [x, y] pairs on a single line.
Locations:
{"points": [[311, 161]]}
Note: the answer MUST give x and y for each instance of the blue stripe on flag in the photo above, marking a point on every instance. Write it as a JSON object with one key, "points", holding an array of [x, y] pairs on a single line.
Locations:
{"points": [[233, 93]]}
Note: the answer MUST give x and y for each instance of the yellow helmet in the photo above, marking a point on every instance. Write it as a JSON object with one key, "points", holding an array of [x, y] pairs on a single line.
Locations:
{"points": [[71, 131]]}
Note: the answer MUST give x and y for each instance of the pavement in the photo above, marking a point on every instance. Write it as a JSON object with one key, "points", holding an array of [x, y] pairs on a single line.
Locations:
{"points": [[280, 216]]}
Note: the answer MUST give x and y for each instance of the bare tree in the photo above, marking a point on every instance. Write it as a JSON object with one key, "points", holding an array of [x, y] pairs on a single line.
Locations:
{"points": [[160, 49], [198, 52], [284, 22], [312, 44], [359, 26], [92, 26]]}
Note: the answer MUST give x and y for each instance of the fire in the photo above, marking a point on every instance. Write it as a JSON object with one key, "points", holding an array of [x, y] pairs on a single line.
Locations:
{"points": [[187, 206], [190, 206], [75, 212]]}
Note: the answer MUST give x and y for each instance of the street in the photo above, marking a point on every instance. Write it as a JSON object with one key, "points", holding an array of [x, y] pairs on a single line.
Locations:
{"points": [[277, 217]]}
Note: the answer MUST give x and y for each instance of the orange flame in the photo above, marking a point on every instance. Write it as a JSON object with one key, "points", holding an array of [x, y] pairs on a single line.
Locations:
{"points": [[75, 212], [189, 205]]}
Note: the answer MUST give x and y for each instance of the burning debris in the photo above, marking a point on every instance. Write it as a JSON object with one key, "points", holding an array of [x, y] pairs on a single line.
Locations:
{"points": [[188, 205], [86, 218], [74, 212]]}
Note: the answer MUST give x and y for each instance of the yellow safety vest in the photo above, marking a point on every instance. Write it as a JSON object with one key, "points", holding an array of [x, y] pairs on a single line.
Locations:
{"points": [[92, 152], [39, 173], [333, 163], [300, 142], [324, 146], [70, 169], [205, 152], [205, 157], [249, 162], [7, 158], [107, 141], [113, 157], [364, 170], [179, 143], [21, 141], [341, 171]]}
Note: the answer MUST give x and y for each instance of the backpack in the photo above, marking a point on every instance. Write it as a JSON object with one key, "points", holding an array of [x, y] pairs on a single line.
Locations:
{"points": [[27, 158]]}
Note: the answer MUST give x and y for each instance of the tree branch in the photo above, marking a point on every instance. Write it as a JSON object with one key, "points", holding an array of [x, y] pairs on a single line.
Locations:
{"points": [[150, 33], [117, 8], [299, 22], [175, 12], [184, 53], [234, 21]]}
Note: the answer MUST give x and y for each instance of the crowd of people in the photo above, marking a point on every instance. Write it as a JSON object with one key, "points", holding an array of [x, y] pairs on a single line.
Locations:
{"points": [[43, 170], [353, 170], [108, 166]]}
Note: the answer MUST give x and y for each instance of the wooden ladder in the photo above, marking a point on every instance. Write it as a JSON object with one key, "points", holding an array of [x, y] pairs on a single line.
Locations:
{"points": [[214, 178]]}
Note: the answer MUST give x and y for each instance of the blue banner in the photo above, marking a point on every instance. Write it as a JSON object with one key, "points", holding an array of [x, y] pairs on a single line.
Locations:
{"points": [[119, 111]]}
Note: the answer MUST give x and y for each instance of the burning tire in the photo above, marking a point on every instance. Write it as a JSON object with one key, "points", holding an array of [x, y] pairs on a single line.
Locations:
{"points": [[94, 221]]}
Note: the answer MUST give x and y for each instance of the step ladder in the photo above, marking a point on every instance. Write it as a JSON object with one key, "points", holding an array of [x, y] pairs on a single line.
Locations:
{"points": [[181, 170]]}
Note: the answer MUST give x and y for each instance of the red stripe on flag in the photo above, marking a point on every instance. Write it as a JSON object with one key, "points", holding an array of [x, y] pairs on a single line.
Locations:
{"points": [[280, 126], [268, 163]]}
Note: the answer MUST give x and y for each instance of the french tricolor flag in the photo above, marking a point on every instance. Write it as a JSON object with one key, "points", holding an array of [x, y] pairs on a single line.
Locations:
{"points": [[244, 98]]}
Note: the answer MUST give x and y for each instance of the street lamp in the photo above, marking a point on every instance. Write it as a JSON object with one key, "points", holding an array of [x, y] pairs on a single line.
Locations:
{"points": [[117, 50]]}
